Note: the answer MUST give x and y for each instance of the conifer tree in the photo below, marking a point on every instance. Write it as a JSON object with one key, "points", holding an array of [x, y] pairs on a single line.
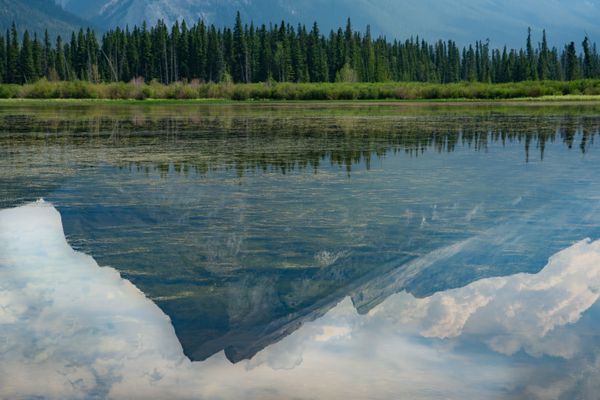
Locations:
{"points": [[26, 65], [215, 67], [60, 62], [368, 57], [571, 62], [37, 57], [531, 64], [240, 58], [146, 55], [544, 59], [12, 56], [314, 55], [2, 58], [47, 62], [588, 59]]}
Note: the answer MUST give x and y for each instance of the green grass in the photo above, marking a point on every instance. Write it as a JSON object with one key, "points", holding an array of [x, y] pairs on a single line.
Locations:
{"points": [[581, 90]]}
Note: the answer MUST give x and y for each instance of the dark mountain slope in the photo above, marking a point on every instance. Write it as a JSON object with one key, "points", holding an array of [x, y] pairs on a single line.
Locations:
{"points": [[503, 22], [37, 16]]}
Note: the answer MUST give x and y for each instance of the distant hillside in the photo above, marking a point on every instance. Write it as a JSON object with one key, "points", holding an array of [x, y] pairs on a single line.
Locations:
{"points": [[502, 21], [37, 16]]}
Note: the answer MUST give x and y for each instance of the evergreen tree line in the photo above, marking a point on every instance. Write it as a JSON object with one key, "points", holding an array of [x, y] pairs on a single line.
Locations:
{"points": [[279, 52]]}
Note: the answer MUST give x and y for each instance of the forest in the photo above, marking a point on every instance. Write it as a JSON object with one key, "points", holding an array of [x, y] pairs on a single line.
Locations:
{"points": [[247, 53]]}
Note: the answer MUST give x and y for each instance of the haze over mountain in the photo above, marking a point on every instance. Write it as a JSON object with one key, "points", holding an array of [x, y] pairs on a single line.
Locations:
{"points": [[503, 22]]}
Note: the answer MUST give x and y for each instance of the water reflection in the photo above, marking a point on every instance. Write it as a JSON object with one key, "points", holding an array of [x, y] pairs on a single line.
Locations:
{"points": [[280, 141], [243, 224], [524, 336], [80, 331]]}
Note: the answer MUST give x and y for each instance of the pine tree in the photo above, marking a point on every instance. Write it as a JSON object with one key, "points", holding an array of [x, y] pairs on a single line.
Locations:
{"points": [[146, 55], [26, 65], [80, 58], [71, 57], [556, 71], [484, 62], [282, 59], [38, 55], [91, 56], [299, 65], [588, 64], [368, 57], [227, 46], [12, 56], [544, 59], [133, 58], [203, 53], [47, 62], [469, 65], [215, 66], [314, 55], [571, 63], [2, 58], [241, 59], [453, 64], [530, 64], [61, 64], [173, 52], [348, 44], [183, 51]]}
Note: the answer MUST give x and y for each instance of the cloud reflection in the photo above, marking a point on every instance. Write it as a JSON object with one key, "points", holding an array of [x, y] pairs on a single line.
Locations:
{"points": [[70, 329]]}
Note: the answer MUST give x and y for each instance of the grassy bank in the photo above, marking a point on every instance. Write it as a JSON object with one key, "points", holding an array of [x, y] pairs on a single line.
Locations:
{"points": [[556, 90]]}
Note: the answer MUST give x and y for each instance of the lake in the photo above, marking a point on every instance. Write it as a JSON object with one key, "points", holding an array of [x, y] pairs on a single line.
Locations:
{"points": [[328, 250]]}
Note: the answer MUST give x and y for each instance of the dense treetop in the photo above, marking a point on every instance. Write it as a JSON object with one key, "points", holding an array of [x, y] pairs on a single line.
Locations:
{"points": [[281, 52]]}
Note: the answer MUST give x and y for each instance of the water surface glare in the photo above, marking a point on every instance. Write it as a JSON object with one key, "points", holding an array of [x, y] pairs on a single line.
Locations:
{"points": [[301, 238]]}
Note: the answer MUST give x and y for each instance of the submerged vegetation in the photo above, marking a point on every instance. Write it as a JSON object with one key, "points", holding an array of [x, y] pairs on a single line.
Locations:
{"points": [[138, 90], [252, 137]]}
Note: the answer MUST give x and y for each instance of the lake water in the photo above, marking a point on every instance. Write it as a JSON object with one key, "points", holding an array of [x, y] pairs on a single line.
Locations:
{"points": [[337, 251]]}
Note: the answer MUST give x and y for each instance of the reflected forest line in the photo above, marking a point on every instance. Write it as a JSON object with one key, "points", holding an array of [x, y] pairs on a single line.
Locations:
{"points": [[278, 142]]}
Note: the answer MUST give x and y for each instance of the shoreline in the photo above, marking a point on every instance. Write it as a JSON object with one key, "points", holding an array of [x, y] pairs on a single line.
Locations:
{"points": [[519, 101]]}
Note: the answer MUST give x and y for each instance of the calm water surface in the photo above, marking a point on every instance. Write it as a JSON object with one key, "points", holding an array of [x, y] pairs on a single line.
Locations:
{"points": [[370, 251]]}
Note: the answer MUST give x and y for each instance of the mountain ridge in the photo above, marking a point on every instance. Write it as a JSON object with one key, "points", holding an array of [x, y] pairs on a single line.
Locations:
{"points": [[38, 16], [503, 22]]}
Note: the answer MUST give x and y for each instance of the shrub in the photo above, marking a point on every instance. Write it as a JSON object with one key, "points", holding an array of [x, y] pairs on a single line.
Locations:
{"points": [[138, 89], [41, 89], [9, 91]]}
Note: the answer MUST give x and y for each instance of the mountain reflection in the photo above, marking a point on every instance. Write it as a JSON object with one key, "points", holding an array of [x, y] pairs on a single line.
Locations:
{"points": [[520, 336], [83, 332]]}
